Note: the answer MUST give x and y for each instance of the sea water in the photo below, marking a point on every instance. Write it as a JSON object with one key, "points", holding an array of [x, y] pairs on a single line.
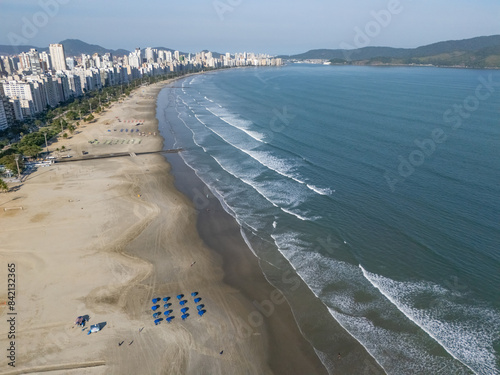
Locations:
{"points": [[381, 188]]}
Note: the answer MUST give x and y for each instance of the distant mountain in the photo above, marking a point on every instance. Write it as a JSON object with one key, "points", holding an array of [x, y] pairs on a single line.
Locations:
{"points": [[75, 47], [466, 47], [8, 50], [72, 47]]}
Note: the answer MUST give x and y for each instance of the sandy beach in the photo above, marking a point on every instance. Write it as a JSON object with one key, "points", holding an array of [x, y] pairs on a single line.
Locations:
{"points": [[103, 237]]}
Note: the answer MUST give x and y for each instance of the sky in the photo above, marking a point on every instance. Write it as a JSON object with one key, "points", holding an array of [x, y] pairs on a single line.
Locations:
{"points": [[266, 26]]}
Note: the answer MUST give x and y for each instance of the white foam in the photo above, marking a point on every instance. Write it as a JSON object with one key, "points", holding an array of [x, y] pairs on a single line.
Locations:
{"points": [[320, 191], [469, 340], [294, 214]]}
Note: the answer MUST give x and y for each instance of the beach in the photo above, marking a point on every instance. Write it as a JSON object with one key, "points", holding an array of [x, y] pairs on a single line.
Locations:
{"points": [[104, 237]]}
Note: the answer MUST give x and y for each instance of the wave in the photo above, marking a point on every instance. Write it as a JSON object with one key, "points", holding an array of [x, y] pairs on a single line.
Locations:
{"points": [[321, 191], [303, 218], [255, 135], [274, 163], [465, 331]]}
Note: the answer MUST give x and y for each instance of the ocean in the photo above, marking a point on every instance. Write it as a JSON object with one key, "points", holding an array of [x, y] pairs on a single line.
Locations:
{"points": [[380, 186]]}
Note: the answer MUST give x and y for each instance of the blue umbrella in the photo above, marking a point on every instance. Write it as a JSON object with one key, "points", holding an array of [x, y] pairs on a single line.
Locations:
{"points": [[183, 310], [199, 307], [183, 302], [154, 307], [194, 294], [184, 316], [155, 315], [169, 319], [155, 300], [180, 296], [167, 305], [196, 300], [168, 312], [200, 313], [166, 299], [157, 321]]}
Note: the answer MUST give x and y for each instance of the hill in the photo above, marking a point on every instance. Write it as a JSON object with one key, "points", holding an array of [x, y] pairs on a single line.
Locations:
{"points": [[475, 52]]}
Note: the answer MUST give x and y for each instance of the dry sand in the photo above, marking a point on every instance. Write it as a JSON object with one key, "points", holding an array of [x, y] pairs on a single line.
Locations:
{"points": [[103, 237]]}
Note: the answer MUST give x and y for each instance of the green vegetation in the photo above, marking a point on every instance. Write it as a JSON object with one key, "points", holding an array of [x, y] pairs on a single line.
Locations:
{"points": [[54, 121], [3, 186]]}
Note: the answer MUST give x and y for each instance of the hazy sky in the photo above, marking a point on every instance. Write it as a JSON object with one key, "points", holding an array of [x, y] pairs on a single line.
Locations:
{"points": [[270, 26]]}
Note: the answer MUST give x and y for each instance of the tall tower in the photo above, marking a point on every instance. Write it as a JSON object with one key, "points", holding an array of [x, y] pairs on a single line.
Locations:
{"points": [[36, 67], [58, 57]]}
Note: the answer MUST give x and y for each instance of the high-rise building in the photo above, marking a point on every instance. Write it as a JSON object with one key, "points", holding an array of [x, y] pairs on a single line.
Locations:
{"points": [[70, 63], [45, 57], [36, 66], [24, 59], [58, 57]]}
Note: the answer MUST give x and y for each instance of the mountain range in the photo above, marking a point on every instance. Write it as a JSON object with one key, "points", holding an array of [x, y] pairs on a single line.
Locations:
{"points": [[481, 51], [76, 47]]}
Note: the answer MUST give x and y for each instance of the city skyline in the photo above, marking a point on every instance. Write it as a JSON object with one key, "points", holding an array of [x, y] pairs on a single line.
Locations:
{"points": [[236, 25]]}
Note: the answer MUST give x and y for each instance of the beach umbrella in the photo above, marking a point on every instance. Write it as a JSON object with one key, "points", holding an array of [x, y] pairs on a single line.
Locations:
{"points": [[168, 312], [157, 321], [196, 300], [155, 300], [169, 319], [154, 307], [155, 315], [183, 310], [199, 307], [194, 294], [184, 316], [167, 305], [165, 299], [200, 313], [180, 296], [183, 302]]}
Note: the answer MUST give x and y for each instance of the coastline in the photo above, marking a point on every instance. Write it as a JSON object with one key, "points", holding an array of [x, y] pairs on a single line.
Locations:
{"points": [[105, 236]]}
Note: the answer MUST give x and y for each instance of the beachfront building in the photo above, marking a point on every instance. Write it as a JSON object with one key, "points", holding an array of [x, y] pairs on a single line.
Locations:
{"points": [[57, 57]]}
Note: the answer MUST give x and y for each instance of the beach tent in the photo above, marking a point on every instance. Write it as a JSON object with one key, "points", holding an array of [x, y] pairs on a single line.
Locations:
{"points": [[183, 302], [194, 294], [154, 307], [196, 300], [94, 328], [199, 307], [184, 316], [180, 296], [183, 310], [201, 312]]}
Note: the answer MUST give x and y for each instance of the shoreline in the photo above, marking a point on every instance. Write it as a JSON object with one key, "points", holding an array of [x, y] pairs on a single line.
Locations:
{"points": [[307, 310], [105, 236]]}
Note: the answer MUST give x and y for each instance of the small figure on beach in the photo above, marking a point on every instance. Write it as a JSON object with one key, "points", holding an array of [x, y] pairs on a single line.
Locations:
{"points": [[141, 329], [222, 351], [192, 264], [120, 343], [339, 356], [130, 343]]}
